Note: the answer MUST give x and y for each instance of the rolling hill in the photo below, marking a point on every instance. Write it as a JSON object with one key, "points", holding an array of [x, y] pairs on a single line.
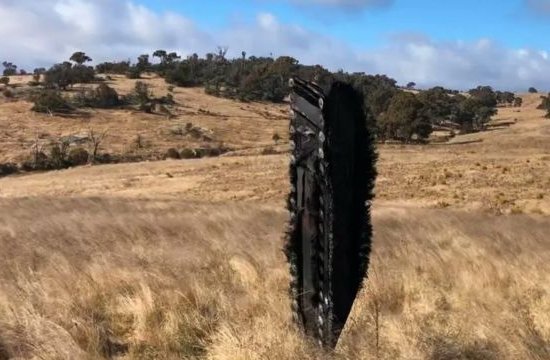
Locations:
{"points": [[182, 258]]}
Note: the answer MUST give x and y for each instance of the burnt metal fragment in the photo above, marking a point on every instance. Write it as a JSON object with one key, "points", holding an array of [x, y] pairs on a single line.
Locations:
{"points": [[332, 173]]}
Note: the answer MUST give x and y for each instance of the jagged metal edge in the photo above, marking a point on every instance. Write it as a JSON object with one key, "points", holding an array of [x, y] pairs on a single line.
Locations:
{"points": [[367, 159], [292, 247]]}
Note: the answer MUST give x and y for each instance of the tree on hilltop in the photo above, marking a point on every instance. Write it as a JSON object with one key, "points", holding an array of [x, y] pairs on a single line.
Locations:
{"points": [[161, 54], [80, 58], [9, 68]]}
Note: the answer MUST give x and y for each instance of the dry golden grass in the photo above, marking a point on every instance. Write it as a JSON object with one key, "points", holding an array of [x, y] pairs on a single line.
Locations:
{"points": [[92, 277], [182, 259]]}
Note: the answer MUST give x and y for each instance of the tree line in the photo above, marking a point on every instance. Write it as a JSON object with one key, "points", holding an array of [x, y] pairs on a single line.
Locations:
{"points": [[395, 113]]}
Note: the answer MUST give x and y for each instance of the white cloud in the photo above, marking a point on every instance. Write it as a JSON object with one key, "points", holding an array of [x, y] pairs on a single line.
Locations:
{"points": [[461, 64], [42, 32]]}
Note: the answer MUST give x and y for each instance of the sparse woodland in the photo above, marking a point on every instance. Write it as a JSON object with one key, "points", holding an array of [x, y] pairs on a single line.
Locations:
{"points": [[395, 114]]}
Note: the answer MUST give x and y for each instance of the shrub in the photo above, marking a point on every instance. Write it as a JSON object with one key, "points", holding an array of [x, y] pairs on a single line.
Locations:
{"points": [[50, 101], [7, 169], [4, 80], [210, 151], [60, 76], [36, 161], [106, 158], [65, 74], [532, 90], [215, 151], [171, 88], [82, 74], [8, 93], [78, 156], [200, 153], [133, 73], [172, 154], [101, 97], [188, 154], [168, 99], [141, 96], [58, 155]]}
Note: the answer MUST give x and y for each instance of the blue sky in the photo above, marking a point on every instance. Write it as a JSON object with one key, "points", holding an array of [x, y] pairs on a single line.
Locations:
{"points": [[510, 22], [458, 44]]}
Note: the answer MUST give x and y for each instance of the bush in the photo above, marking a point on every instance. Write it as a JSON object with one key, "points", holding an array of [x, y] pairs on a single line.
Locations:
{"points": [[188, 154], [4, 80], [8, 93], [168, 99], [58, 155], [78, 156], [213, 152], [532, 90], [82, 74], [200, 153], [101, 97], [141, 96], [133, 73], [7, 169], [36, 161], [50, 101], [59, 76], [172, 154], [210, 151]]}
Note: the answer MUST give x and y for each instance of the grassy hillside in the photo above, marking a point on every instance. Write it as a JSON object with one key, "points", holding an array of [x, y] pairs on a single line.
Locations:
{"points": [[236, 125], [503, 170], [182, 259]]}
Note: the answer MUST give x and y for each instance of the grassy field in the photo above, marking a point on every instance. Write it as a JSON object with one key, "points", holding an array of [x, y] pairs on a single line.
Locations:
{"points": [[182, 259]]}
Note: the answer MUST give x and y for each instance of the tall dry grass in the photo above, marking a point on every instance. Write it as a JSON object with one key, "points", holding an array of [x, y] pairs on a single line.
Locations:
{"points": [[149, 279]]}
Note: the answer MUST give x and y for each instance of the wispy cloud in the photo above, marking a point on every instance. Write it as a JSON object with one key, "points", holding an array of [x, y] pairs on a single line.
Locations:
{"points": [[346, 4], [540, 7]]}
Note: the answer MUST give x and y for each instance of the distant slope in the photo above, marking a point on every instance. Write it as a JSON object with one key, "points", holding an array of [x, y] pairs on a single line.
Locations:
{"points": [[502, 170], [237, 125]]}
